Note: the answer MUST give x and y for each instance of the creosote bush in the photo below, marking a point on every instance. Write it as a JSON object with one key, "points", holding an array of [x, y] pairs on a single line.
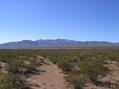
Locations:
{"points": [[80, 65]]}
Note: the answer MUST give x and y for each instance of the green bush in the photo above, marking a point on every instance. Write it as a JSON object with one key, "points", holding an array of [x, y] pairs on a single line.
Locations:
{"points": [[93, 68], [78, 81], [5, 83], [11, 82], [30, 67], [66, 65], [13, 66]]}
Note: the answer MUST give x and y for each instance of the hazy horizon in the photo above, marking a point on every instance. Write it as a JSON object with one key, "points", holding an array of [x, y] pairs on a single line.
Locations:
{"points": [[82, 20], [60, 39]]}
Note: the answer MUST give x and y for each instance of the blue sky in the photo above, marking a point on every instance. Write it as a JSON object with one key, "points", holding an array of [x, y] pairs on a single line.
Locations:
{"points": [[51, 19]]}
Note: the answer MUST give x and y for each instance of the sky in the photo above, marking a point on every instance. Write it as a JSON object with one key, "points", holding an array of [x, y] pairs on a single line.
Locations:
{"points": [[83, 20]]}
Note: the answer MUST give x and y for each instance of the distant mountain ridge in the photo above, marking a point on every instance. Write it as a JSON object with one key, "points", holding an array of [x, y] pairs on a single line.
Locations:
{"points": [[57, 43]]}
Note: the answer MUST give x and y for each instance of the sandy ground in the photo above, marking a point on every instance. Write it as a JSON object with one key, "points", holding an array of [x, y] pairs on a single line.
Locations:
{"points": [[50, 77]]}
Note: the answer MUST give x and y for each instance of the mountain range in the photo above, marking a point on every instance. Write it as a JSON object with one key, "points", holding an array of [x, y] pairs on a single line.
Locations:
{"points": [[56, 43]]}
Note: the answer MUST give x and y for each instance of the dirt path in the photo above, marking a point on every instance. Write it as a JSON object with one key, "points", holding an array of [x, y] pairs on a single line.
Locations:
{"points": [[51, 77]]}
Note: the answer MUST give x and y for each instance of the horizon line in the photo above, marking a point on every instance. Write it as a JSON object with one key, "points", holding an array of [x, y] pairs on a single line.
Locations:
{"points": [[61, 39]]}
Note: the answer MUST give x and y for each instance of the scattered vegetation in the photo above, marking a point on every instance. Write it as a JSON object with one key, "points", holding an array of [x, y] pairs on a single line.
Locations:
{"points": [[81, 66]]}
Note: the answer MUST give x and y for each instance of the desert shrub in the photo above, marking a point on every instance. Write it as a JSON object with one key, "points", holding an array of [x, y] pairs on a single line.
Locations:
{"points": [[81, 65], [5, 83], [30, 67], [11, 82], [93, 68], [77, 81], [13, 66], [66, 65]]}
